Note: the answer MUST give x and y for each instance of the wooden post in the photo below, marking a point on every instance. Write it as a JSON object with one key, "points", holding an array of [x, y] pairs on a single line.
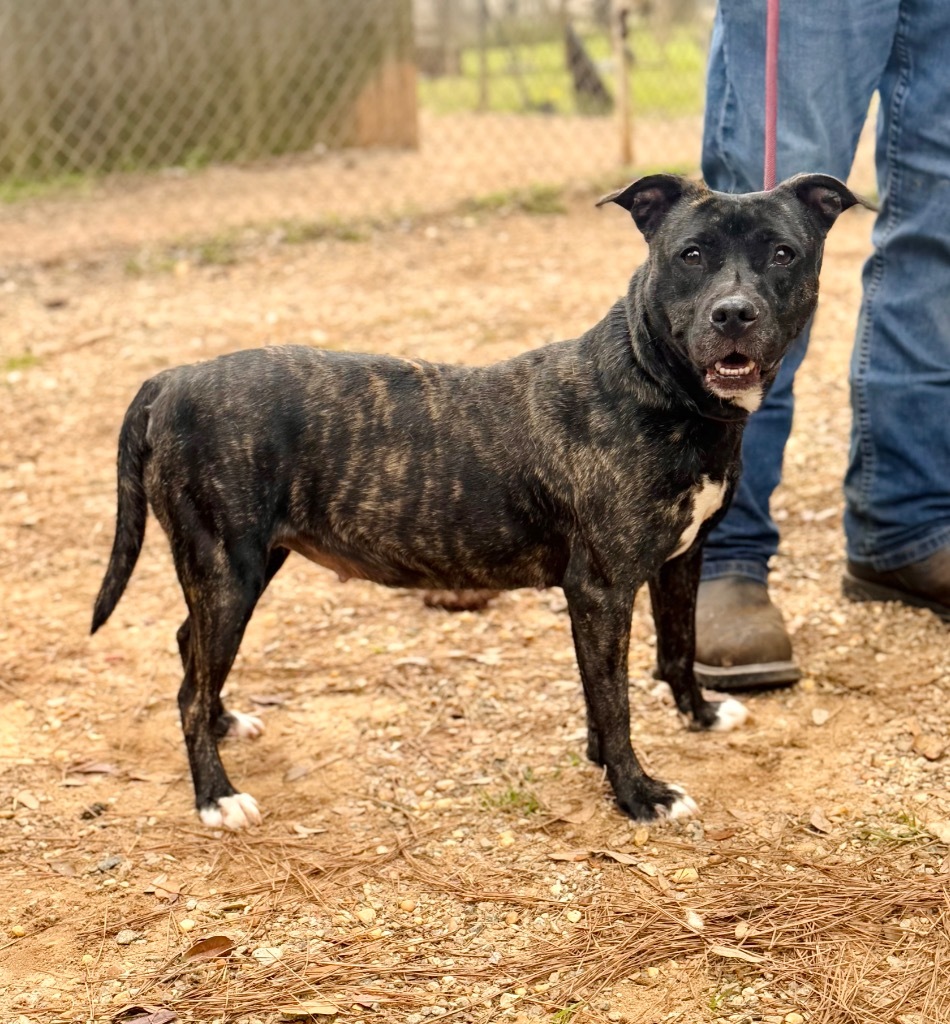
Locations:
{"points": [[622, 60]]}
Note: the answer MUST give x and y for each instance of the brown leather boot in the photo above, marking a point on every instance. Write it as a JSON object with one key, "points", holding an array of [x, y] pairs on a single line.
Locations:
{"points": [[923, 584], [741, 641]]}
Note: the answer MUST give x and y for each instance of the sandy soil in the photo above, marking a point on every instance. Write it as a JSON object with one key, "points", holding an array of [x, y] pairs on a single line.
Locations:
{"points": [[434, 841]]}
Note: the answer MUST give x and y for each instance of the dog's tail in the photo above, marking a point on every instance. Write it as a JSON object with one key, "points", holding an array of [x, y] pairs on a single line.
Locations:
{"points": [[132, 503]]}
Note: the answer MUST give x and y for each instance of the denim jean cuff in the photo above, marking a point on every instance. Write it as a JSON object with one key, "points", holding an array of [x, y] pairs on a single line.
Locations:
{"points": [[916, 551], [749, 569]]}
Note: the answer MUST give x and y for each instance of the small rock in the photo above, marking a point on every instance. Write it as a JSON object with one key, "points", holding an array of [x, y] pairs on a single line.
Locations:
{"points": [[820, 716], [685, 875], [366, 914], [794, 1018], [18, 931], [408, 906], [187, 925], [573, 916], [126, 937]]}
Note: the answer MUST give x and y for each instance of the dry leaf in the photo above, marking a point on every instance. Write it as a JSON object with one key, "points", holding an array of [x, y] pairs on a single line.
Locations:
{"points": [[570, 855], [163, 889], [419, 662], [162, 778], [27, 799], [307, 1011], [267, 954], [210, 948], [620, 858], [145, 1015], [92, 768], [298, 771], [491, 656], [575, 814], [939, 829], [930, 745], [819, 822], [732, 953], [717, 835], [272, 700], [303, 830]]}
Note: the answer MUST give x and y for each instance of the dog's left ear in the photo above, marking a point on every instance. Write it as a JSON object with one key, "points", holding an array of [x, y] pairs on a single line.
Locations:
{"points": [[826, 196], [650, 199]]}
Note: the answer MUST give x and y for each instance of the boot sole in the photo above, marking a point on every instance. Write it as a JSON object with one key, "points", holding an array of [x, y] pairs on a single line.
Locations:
{"points": [[856, 589], [763, 675]]}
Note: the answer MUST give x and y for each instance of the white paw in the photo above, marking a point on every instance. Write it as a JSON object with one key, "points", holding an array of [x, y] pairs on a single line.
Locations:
{"points": [[245, 727], [232, 812], [729, 715], [683, 807]]}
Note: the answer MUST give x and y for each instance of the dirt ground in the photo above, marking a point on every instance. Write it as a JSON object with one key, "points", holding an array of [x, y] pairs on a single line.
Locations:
{"points": [[434, 843]]}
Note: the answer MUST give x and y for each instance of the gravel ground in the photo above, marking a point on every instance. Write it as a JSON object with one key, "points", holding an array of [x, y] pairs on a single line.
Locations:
{"points": [[434, 843]]}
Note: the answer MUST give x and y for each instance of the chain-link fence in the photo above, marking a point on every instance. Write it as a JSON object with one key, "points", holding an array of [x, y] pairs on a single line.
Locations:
{"points": [[323, 108]]}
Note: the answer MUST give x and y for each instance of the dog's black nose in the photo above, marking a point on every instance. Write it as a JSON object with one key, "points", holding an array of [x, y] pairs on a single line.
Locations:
{"points": [[733, 316]]}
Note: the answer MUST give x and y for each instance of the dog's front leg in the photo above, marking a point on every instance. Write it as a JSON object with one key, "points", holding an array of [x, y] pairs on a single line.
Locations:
{"points": [[673, 596], [600, 621]]}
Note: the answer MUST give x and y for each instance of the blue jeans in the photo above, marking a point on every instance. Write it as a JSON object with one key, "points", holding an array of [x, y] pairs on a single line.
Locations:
{"points": [[832, 58]]}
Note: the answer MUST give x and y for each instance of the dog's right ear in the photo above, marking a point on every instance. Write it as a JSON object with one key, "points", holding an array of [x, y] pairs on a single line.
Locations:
{"points": [[651, 198]]}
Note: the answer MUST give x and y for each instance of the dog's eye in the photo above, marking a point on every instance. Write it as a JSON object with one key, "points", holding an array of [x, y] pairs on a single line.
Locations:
{"points": [[692, 257], [783, 256]]}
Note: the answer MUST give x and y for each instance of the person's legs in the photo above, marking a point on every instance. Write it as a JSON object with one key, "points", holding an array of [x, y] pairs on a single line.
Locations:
{"points": [[897, 487], [831, 58]]}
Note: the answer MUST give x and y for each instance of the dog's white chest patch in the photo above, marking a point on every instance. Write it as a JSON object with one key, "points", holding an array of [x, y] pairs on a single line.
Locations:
{"points": [[749, 400], [707, 500]]}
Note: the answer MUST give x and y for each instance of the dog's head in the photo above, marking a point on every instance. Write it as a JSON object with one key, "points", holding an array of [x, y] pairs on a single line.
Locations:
{"points": [[731, 280]]}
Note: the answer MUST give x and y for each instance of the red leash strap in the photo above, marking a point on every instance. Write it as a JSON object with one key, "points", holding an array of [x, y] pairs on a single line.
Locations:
{"points": [[771, 91]]}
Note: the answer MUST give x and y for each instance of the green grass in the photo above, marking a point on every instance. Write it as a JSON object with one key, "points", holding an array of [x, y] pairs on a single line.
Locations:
{"points": [[299, 232], [536, 199], [513, 799], [906, 830], [666, 81], [16, 190], [566, 1014], [22, 361]]}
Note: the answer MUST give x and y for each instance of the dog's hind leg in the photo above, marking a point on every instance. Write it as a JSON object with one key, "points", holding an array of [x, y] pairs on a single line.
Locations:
{"points": [[600, 621], [673, 596], [221, 589], [223, 722]]}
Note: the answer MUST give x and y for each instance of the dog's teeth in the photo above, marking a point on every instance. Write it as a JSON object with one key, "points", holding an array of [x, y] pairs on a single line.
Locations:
{"points": [[734, 371]]}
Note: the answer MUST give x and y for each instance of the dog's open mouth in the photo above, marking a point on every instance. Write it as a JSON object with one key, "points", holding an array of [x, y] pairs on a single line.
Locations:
{"points": [[734, 372]]}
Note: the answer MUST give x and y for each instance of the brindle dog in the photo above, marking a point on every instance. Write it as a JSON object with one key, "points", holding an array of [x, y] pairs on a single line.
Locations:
{"points": [[596, 465]]}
